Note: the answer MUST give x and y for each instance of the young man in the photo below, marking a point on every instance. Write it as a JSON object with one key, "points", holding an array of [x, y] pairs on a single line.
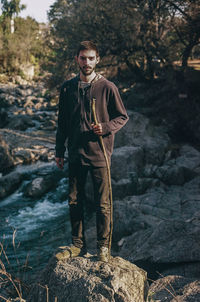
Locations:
{"points": [[76, 123]]}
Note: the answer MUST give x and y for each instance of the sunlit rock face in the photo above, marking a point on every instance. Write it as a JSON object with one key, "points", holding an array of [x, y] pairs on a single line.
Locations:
{"points": [[86, 279]]}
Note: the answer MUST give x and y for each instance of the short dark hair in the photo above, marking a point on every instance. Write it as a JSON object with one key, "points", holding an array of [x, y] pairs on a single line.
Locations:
{"points": [[87, 45]]}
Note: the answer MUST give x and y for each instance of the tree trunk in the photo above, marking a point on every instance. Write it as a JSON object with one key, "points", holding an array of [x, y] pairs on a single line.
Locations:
{"points": [[12, 25], [150, 67]]}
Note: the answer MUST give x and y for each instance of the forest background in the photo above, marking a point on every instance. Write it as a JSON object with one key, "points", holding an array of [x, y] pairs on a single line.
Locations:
{"points": [[132, 35], [152, 42]]}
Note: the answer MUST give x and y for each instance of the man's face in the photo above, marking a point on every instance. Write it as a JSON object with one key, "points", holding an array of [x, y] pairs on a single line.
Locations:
{"points": [[87, 61]]}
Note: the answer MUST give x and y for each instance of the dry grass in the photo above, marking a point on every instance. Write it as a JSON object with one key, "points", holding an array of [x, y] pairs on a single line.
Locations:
{"points": [[9, 282], [168, 287], [14, 287]]}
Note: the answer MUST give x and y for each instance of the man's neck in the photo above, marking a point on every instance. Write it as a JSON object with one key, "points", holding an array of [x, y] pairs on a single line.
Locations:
{"points": [[87, 78]]}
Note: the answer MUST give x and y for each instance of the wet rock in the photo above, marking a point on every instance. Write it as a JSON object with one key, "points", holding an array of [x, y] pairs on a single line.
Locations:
{"points": [[39, 186], [29, 147], [20, 122], [175, 288], [6, 159], [86, 279], [9, 183]]}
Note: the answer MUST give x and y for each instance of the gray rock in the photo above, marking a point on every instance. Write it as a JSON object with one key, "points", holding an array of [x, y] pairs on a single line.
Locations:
{"points": [[181, 169], [174, 289], [23, 156], [6, 159], [141, 133], [126, 160], [20, 122], [141, 185], [88, 280], [188, 270], [3, 117], [167, 243], [49, 125], [189, 157], [39, 186], [140, 217], [6, 100], [9, 183], [123, 187], [171, 175], [162, 225]]}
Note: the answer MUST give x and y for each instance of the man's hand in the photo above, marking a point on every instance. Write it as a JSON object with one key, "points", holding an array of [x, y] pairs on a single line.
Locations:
{"points": [[60, 162], [97, 129]]}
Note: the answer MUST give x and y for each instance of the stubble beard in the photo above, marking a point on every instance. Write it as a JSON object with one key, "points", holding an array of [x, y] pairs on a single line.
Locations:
{"points": [[87, 72]]}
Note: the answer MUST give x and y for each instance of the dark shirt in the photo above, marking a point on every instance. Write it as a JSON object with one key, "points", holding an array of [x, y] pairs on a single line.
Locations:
{"points": [[75, 118]]}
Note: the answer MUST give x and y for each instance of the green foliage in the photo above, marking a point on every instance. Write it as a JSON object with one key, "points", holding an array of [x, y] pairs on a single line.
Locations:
{"points": [[24, 46], [12, 7], [22, 41]]}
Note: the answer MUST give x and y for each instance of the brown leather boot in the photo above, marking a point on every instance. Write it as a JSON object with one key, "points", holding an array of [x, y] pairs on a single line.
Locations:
{"points": [[70, 252], [103, 254]]}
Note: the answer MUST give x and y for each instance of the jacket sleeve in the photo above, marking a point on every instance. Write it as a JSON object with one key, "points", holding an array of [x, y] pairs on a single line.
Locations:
{"points": [[117, 113], [62, 129]]}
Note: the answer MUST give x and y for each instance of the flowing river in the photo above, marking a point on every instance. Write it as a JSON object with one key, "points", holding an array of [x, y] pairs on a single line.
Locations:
{"points": [[31, 230]]}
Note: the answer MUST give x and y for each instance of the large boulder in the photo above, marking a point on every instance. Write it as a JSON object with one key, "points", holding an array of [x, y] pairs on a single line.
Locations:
{"points": [[88, 280], [167, 243], [138, 145], [126, 160], [44, 179], [189, 157], [162, 226], [9, 183], [139, 132], [39, 186], [20, 122]]}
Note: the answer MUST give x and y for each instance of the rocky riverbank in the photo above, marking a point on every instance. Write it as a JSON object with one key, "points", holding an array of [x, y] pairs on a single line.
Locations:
{"points": [[27, 133], [156, 188]]}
